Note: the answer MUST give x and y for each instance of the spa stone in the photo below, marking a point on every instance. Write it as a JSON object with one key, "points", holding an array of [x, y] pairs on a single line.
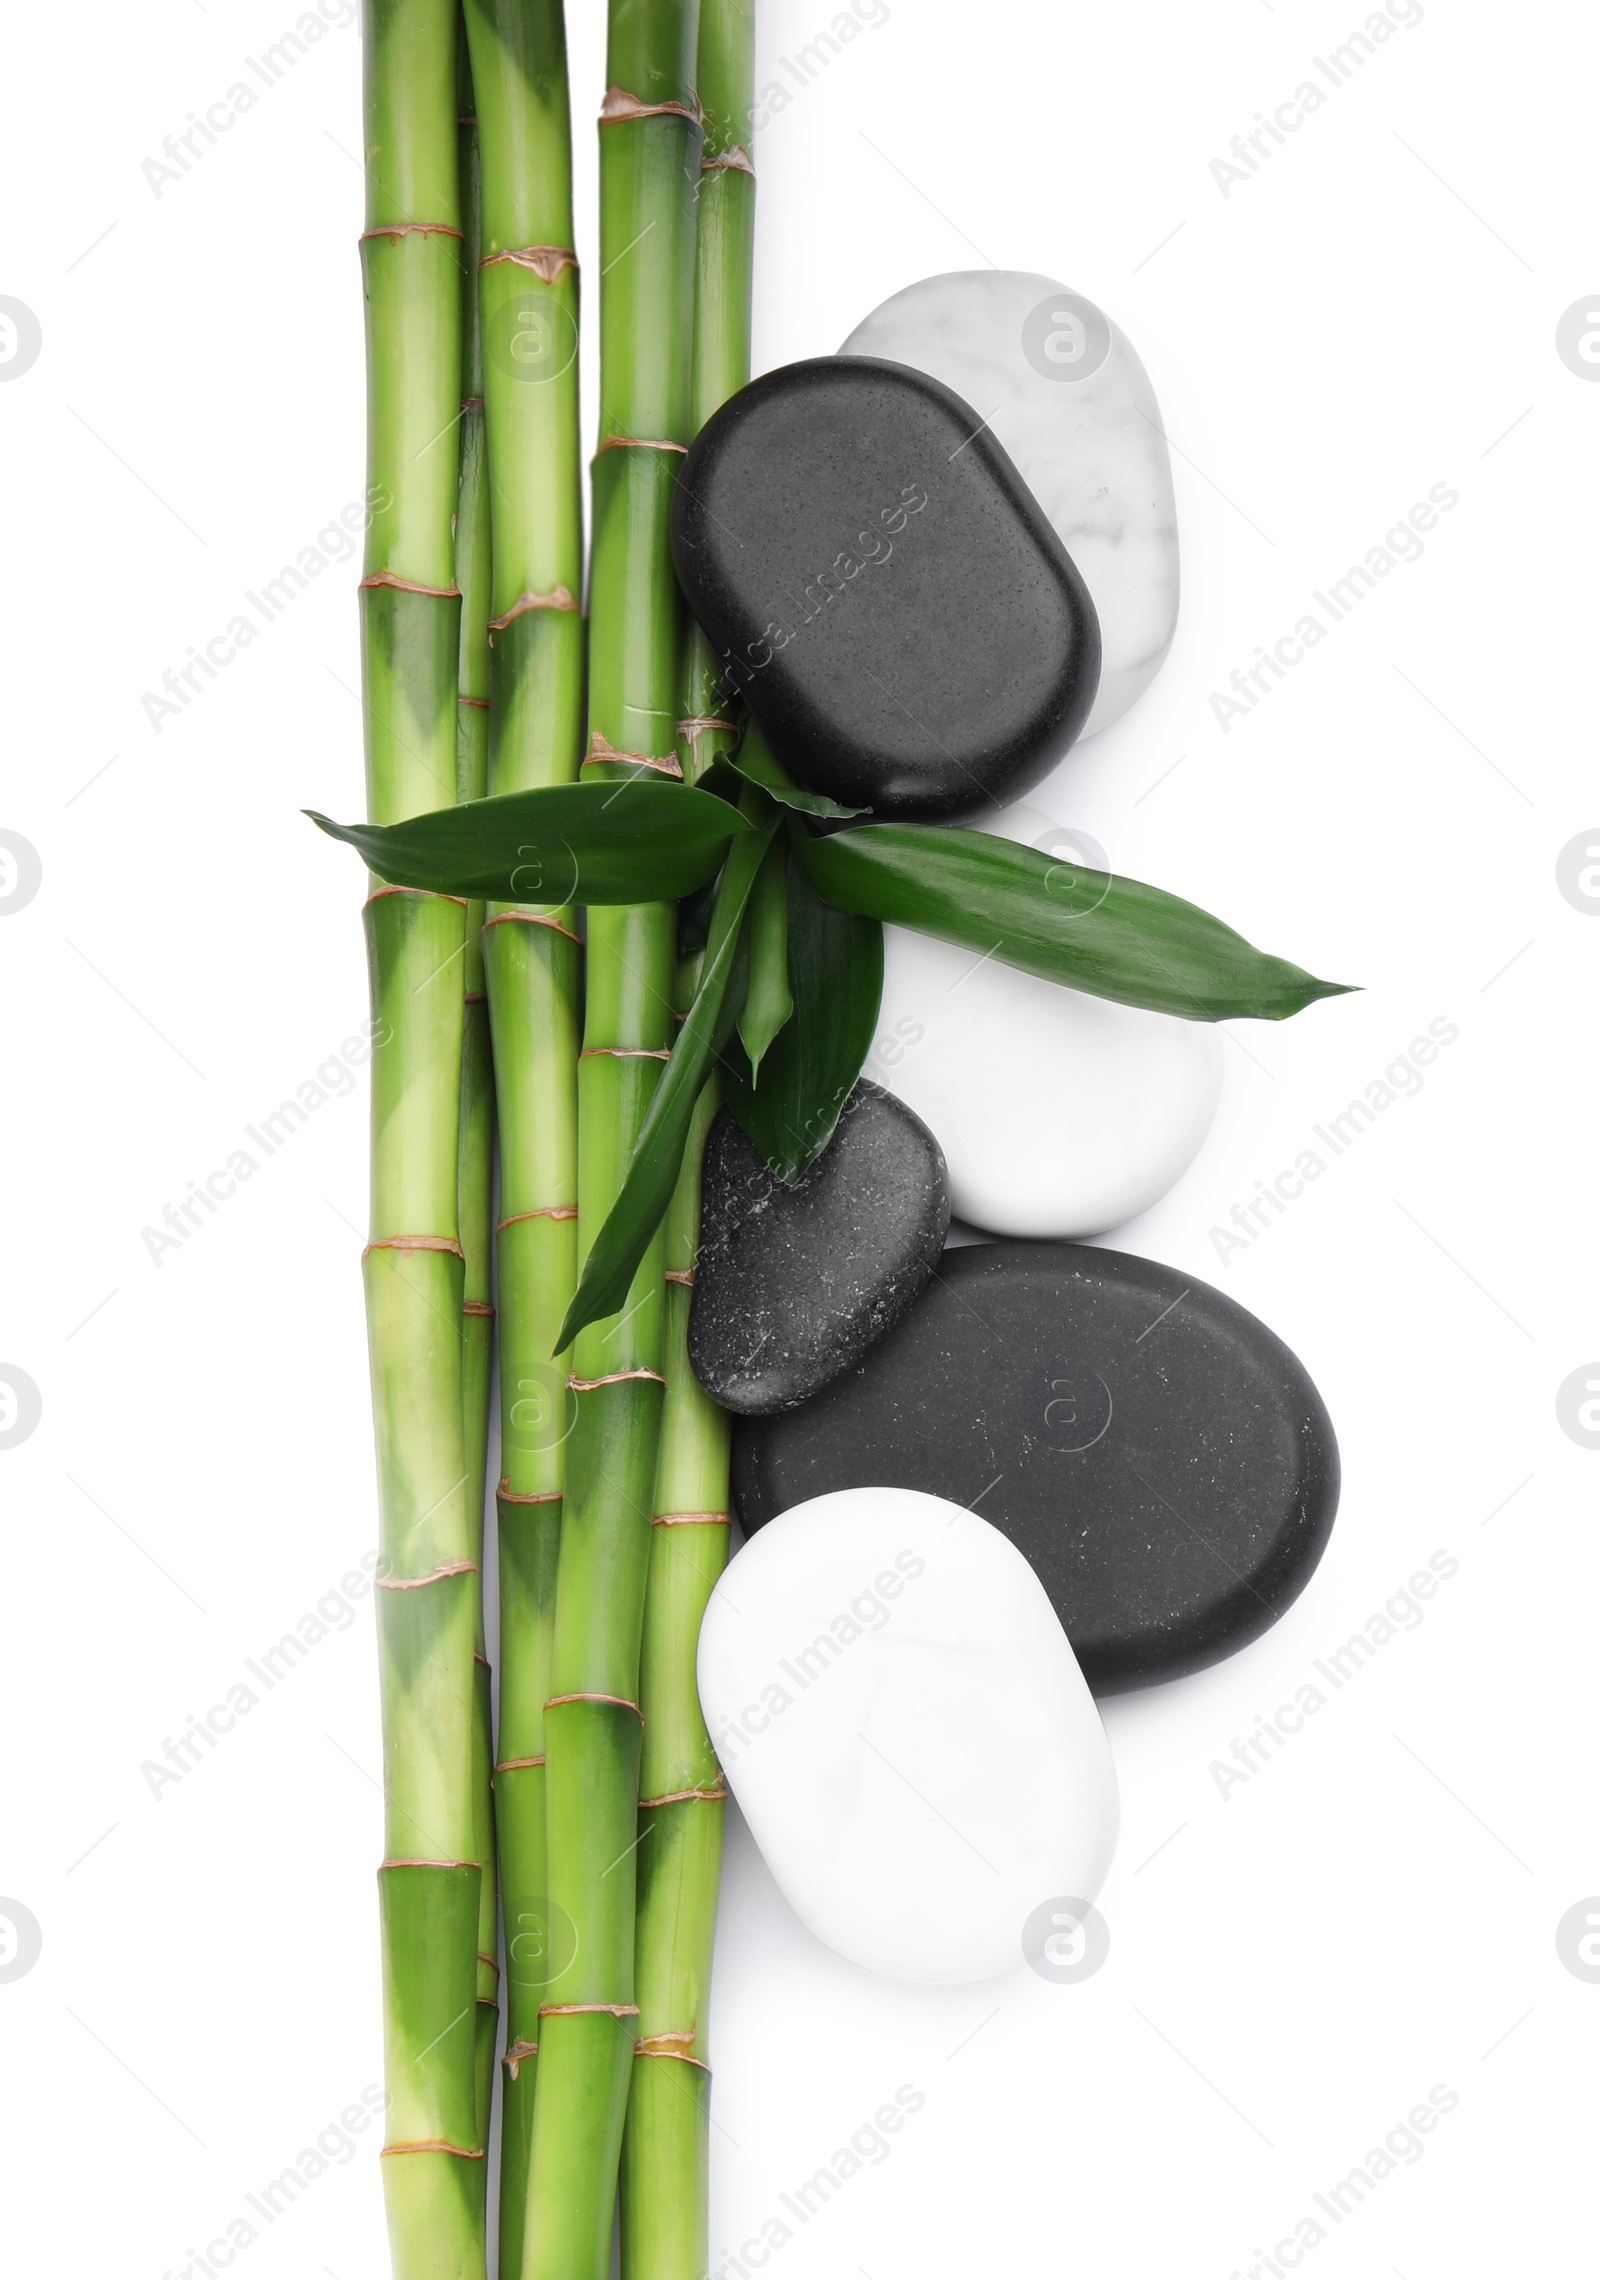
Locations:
{"points": [[1070, 402], [1059, 1114], [907, 1734], [1159, 1455], [883, 589], [793, 1285]]}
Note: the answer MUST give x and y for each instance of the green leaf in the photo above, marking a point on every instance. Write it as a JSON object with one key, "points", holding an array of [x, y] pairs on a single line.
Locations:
{"points": [[1088, 929], [583, 843], [767, 1002], [759, 764], [653, 1168], [836, 976]]}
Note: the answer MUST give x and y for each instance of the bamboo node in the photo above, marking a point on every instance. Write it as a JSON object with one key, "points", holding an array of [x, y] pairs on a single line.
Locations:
{"points": [[699, 724], [393, 230], [558, 598], [472, 403], [518, 1765], [479, 1306], [545, 1211], [414, 1863], [737, 159], [481, 704], [620, 106], [600, 748], [684, 1275], [670, 2046], [621, 1702], [617, 1377], [510, 1495], [415, 1243], [626, 1053], [434, 1575], [409, 585], [691, 1520], [423, 894], [490, 1961], [546, 261], [515, 2055], [640, 443], [717, 1796], [435, 2145], [530, 918], [576, 2010]]}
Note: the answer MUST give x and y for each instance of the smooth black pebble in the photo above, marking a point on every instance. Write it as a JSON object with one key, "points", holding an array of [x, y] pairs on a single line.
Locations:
{"points": [[793, 1285], [884, 589], [1163, 1460]]}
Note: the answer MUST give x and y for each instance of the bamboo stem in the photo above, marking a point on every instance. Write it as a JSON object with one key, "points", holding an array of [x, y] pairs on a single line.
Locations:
{"points": [[528, 299], [649, 151], [534, 994], [528, 303], [724, 274], [666, 2151], [534, 997], [476, 1149], [414, 1266]]}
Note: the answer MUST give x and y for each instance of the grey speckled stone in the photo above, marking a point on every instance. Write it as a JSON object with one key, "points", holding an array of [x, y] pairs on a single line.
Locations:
{"points": [[793, 1285]]}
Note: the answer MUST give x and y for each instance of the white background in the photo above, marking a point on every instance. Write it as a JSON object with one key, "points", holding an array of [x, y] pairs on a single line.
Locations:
{"points": [[1292, 1968]]}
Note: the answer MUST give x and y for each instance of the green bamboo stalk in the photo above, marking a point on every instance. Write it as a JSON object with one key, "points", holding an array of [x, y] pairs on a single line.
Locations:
{"points": [[528, 318], [528, 286], [666, 2150], [414, 1266], [649, 154], [476, 1150], [724, 272], [682, 1805], [534, 996]]}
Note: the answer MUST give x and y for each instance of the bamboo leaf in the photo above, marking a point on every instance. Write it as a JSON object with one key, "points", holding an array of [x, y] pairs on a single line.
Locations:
{"points": [[588, 843], [1091, 930], [767, 1000], [756, 761], [653, 1167], [810, 1070]]}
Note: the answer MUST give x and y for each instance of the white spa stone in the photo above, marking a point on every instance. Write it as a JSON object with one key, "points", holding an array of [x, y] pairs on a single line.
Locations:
{"points": [[907, 1732], [1064, 391], [1059, 1114]]}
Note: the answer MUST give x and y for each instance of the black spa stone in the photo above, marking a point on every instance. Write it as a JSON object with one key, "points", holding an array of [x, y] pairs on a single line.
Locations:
{"points": [[884, 590], [1163, 1460], [793, 1285]]}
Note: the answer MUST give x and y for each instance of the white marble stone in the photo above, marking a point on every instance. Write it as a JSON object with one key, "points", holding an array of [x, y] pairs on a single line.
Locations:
{"points": [[907, 1732], [1059, 1114], [1091, 449]]}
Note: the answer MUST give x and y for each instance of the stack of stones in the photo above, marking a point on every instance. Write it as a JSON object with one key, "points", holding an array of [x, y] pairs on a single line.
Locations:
{"points": [[981, 1485]]}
